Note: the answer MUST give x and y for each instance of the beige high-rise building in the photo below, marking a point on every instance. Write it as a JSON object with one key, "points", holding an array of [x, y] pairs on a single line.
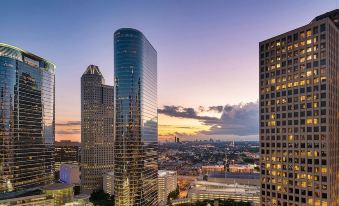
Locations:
{"points": [[96, 129], [299, 115], [167, 182]]}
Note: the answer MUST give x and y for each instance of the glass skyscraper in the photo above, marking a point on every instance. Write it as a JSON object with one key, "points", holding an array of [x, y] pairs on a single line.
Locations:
{"points": [[26, 120], [97, 101], [136, 127]]}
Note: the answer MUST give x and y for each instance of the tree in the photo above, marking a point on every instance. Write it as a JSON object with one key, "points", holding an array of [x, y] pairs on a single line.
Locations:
{"points": [[101, 198], [173, 195]]}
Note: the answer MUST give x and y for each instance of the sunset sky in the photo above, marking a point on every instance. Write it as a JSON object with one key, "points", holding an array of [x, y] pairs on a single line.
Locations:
{"points": [[207, 54]]}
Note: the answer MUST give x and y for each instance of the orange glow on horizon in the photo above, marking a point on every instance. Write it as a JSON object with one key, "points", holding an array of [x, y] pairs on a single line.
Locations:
{"points": [[168, 128]]}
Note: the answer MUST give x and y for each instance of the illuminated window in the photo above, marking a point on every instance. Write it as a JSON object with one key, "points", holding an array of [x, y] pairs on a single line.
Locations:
{"points": [[309, 120], [323, 170], [309, 73], [308, 33], [315, 120]]}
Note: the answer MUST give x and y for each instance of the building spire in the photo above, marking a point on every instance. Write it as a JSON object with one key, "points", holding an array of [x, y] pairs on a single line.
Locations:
{"points": [[93, 69]]}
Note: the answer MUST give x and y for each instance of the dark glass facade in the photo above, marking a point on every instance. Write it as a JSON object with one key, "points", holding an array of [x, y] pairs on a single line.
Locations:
{"points": [[136, 127], [26, 120]]}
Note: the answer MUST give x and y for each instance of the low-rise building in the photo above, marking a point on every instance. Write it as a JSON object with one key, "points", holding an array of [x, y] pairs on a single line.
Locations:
{"points": [[51, 195], [212, 168], [61, 193], [234, 178], [204, 190], [80, 200], [70, 174], [30, 200]]}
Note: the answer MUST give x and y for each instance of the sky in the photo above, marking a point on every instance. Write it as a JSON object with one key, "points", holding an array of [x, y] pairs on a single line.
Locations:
{"points": [[207, 54]]}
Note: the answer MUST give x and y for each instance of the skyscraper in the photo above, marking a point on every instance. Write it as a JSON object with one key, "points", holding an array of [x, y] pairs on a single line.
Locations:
{"points": [[299, 115], [96, 129], [136, 141], [26, 121]]}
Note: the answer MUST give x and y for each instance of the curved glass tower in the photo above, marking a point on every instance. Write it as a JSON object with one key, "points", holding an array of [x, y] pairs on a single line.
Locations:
{"points": [[136, 127], [26, 120]]}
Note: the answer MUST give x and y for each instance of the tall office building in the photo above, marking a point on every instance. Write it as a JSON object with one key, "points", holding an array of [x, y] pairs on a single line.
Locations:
{"points": [[26, 121], [136, 141], [299, 115], [96, 129]]}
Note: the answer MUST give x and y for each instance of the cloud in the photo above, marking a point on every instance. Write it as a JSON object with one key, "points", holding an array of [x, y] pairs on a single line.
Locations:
{"points": [[182, 112], [215, 109], [68, 131], [241, 119], [69, 123]]}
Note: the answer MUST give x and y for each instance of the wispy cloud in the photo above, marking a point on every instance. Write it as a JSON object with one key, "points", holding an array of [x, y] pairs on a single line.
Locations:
{"points": [[179, 111], [68, 123], [68, 131]]}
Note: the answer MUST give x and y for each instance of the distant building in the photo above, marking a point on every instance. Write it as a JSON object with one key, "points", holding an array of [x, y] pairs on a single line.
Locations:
{"points": [[236, 168], [97, 139], [66, 152], [61, 193], [212, 168], [31, 200], [27, 108], [108, 183], [167, 182], [70, 174]]}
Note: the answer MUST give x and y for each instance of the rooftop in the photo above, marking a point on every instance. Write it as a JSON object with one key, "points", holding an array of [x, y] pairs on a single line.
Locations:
{"points": [[333, 15], [234, 175], [20, 54], [57, 186], [162, 173]]}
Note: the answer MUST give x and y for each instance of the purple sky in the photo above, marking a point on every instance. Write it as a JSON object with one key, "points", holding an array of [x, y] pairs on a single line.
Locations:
{"points": [[207, 50]]}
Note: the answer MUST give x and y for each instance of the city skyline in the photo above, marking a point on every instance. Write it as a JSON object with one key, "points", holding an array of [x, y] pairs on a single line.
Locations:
{"points": [[219, 44]]}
